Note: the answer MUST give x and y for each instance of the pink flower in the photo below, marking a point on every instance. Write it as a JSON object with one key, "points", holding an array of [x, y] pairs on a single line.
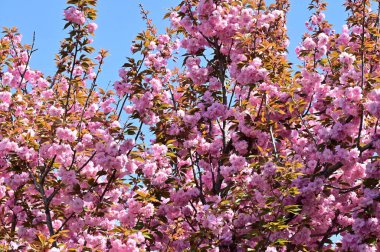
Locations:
{"points": [[67, 177], [67, 134], [91, 27], [5, 97], [47, 94], [149, 169], [322, 39], [346, 58], [237, 161], [7, 78], [160, 178], [163, 39], [2, 191], [241, 146], [152, 45], [215, 84], [87, 139], [309, 44], [148, 210], [78, 70], [118, 246], [54, 111], [156, 85], [131, 167], [344, 37], [354, 93], [42, 83], [271, 249], [74, 15], [302, 236], [77, 205]]}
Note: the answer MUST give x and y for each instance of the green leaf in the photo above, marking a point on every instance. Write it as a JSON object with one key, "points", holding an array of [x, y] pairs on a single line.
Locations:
{"points": [[281, 242], [294, 209]]}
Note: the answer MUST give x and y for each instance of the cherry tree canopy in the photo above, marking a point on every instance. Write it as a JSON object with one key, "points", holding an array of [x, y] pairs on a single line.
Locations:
{"points": [[245, 151]]}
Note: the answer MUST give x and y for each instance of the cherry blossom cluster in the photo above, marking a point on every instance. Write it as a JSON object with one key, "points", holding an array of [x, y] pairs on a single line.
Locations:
{"points": [[210, 141]]}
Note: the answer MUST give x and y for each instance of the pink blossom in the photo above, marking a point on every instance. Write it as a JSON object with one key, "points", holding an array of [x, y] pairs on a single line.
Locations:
{"points": [[77, 205], [67, 134], [74, 15], [346, 58], [309, 44], [5, 97], [54, 111], [91, 27]]}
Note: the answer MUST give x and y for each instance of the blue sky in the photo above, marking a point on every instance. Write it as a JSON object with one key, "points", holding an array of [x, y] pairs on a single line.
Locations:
{"points": [[119, 21]]}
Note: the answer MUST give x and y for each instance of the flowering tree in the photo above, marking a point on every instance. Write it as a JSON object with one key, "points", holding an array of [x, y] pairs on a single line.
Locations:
{"points": [[245, 154]]}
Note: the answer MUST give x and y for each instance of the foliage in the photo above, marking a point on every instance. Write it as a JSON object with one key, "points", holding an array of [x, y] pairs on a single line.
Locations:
{"points": [[247, 154]]}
